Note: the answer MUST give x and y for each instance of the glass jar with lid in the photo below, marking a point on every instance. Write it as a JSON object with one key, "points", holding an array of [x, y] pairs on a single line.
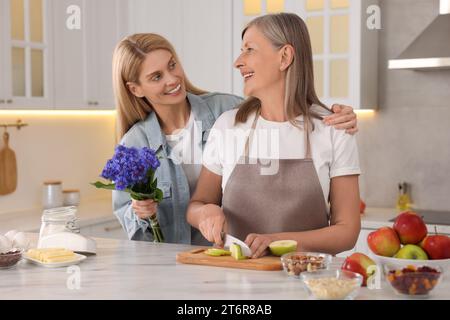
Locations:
{"points": [[62, 219], [52, 196]]}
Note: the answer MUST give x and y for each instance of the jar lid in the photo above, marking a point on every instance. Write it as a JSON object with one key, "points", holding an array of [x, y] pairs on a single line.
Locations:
{"points": [[51, 182], [70, 190]]}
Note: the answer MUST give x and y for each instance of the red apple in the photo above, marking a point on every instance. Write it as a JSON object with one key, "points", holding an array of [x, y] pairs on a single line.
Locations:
{"points": [[410, 228], [358, 262], [436, 246], [362, 207], [384, 242]]}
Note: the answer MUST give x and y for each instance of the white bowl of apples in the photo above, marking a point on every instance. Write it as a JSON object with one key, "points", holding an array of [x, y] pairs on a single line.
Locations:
{"points": [[408, 243]]}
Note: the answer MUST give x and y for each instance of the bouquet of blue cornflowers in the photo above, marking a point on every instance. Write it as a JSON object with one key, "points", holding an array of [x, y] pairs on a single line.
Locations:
{"points": [[132, 170]]}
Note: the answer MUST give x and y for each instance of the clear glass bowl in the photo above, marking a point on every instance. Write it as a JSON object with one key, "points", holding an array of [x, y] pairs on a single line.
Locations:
{"points": [[10, 259], [294, 263], [413, 281], [332, 284]]}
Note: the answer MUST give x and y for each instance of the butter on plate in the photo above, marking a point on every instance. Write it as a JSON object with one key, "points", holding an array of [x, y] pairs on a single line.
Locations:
{"points": [[51, 255]]}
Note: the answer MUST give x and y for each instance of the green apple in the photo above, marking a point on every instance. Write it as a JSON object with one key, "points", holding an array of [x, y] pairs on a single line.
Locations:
{"points": [[411, 251], [280, 247], [236, 252], [216, 252]]}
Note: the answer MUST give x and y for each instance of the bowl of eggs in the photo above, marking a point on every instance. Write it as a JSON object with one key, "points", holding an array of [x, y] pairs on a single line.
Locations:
{"points": [[12, 246]]}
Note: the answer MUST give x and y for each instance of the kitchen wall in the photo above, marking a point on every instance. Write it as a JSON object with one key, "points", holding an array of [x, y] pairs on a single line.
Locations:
{"points": [[408, 139], [71, 148]]}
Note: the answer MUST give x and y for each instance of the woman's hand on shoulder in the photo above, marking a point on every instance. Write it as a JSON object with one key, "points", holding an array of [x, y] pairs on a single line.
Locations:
{"points": [[343, 117]]}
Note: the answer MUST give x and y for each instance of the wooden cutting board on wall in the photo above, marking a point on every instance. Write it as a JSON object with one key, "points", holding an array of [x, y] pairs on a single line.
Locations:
{"points": [[197, 256], [8, 168]]}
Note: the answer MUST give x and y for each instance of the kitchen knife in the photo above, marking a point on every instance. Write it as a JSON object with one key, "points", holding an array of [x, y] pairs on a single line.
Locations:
{"points": [[229, 240]]}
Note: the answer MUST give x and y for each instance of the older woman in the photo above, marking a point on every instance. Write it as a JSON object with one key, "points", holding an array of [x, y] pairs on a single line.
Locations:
{"points": [[306, 187]]}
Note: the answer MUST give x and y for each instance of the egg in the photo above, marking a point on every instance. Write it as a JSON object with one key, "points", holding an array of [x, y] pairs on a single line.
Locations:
{"points": [[5, 244], [21, 241], [10, 234]]}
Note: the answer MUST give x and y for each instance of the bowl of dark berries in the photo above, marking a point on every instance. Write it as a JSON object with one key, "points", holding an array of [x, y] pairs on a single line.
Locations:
{"points": [[10, 259], [413, 281]]}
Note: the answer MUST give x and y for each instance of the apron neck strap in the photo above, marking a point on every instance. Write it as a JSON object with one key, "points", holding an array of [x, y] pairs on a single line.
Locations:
{"points": [[250, 136], [307, 139]]}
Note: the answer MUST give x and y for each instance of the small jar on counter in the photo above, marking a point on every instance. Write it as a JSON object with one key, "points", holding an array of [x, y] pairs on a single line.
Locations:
{"points": [[52, 196], [62, 219], [71, 197]]}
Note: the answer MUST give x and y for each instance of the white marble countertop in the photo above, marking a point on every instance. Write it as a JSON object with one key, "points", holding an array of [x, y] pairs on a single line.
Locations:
{"points": [[141, 270], [89, 212]]}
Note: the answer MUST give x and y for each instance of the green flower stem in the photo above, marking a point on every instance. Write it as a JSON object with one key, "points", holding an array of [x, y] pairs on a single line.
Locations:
{"points": [[156, 229]]}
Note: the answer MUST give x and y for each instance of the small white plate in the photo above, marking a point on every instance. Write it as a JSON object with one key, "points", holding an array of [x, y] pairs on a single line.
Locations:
{"points": [[78, 259]]}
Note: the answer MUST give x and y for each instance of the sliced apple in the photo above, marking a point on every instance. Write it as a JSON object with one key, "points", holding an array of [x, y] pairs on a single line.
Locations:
{"points": [[236, 252], [216, 252], [280, 247]]}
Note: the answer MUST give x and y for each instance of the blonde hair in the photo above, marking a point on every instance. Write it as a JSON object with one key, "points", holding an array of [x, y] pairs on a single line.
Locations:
{"points": [[289, 29], [128, 57]]}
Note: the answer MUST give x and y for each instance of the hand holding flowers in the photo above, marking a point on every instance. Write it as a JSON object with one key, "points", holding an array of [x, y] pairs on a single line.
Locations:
{"points": [[132, 170]]}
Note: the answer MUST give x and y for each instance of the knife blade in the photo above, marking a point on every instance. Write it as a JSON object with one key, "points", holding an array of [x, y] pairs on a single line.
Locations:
{"points": [[229, 240]]}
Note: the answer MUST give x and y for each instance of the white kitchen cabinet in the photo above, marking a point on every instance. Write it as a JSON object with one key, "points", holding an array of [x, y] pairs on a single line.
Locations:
{"points": [[109, 25], [360, 246], [50, 61], [83, 54], [344, 49], [3, 62], [110, 229], [2, 54], [69, 57], [25, 54], [199, 30], [345, 254]]}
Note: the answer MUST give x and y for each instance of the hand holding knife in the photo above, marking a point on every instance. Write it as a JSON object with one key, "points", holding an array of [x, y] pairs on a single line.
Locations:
{"points": [[228, 240]]}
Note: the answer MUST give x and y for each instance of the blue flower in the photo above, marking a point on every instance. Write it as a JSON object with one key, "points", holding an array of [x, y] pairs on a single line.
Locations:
{"points": [[130, 166]]}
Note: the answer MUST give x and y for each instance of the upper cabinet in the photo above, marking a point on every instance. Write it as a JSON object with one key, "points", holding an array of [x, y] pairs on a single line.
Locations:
{"points": [[58, 53], [200, 31], [344, 38], [344, 45], [85, 34], [25, 54]]}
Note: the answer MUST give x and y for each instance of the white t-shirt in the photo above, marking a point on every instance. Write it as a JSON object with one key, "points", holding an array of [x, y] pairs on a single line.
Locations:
{"points": [[186, 149], [334, 152]]}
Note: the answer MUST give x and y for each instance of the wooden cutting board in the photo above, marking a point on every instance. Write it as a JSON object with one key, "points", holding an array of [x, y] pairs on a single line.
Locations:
{"points": [[8, 168], [197, 256]]}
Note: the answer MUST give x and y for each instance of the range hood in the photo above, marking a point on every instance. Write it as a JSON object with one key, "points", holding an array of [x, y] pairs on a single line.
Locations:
{"points": [[431, 49]]}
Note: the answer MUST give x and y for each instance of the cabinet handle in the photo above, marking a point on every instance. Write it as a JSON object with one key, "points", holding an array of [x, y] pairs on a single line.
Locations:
{"points": [[108, 229], [95, 103], [2, 100], [9, 101]]}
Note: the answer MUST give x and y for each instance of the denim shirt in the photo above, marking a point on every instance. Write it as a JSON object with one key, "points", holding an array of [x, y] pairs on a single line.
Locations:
{"points": [[171, 177]]}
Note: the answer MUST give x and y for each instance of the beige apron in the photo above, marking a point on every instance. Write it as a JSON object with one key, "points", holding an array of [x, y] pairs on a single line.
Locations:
{"points": [[289, 201]]}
